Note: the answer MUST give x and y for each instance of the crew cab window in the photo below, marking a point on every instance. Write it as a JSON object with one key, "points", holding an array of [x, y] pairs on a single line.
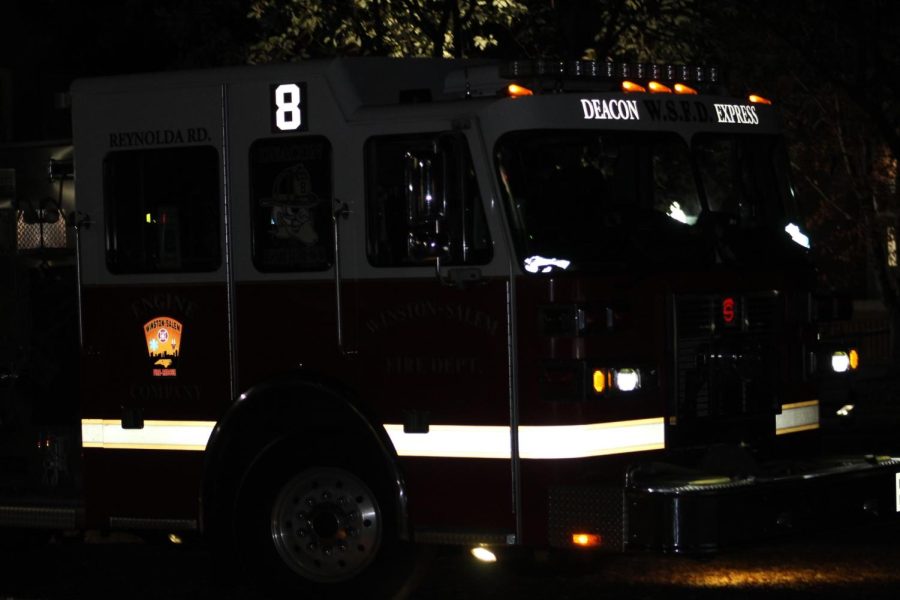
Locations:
{"points": [[422, 202], [162, 210], [290, 197]]}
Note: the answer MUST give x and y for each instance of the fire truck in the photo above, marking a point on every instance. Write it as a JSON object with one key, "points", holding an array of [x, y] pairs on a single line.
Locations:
{"points": [[324, 311]]}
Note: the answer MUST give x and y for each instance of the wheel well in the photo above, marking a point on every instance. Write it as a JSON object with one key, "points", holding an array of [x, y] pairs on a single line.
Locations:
{"points": [[312, 411]]}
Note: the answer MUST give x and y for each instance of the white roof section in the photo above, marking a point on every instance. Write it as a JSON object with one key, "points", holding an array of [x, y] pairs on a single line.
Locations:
{"points": [[355, 82]]}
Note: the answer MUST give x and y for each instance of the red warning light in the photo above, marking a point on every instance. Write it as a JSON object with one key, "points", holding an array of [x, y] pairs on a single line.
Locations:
{"points": [[728, 310]]}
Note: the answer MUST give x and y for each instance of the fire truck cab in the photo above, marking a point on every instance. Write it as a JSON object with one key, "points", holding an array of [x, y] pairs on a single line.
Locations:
{"points": [[321, 311]]}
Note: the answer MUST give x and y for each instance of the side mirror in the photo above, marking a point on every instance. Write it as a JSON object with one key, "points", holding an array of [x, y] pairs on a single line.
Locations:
{"points": [[435, 184], [832, 307], [426, 187], [46, 212]]}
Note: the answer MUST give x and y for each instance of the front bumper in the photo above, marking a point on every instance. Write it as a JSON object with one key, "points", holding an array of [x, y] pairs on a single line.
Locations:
{"points": [[665, 508]]}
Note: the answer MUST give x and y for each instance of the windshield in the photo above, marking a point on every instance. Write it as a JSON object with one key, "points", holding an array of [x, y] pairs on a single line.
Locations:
{"points": [[584, 199], [745, 177]]}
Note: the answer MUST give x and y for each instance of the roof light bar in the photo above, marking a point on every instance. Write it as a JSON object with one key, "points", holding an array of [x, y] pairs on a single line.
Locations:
{"points": [[592, 69]]}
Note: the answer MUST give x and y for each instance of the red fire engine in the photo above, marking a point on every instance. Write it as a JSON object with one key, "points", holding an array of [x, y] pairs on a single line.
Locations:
{"points": [[322, 311]]}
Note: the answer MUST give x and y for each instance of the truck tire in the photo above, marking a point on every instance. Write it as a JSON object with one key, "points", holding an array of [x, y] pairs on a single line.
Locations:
{"points": [[325, 527]]}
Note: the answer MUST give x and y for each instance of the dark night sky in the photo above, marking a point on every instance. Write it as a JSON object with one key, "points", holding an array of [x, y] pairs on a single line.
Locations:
{"points": [[45, 44]]}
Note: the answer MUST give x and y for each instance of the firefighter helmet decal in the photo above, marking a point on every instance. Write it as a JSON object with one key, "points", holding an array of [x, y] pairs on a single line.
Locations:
{"points": [[163, 336], [292, 203]]}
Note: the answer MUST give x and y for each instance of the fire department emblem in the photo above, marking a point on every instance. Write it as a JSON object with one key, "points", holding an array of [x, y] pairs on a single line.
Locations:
{"points": [[163, 336]]}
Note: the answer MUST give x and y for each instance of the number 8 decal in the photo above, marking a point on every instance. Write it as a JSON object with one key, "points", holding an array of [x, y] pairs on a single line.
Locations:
{"points": [[288, 98]]}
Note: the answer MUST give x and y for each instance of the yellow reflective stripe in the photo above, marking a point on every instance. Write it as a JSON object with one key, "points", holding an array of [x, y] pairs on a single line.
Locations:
{"points": [[794, 405], [798, 416], [535, 441], [155, 435]]}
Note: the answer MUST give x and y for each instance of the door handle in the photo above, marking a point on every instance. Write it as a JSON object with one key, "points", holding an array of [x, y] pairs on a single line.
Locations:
{"points": [[459, 277]]}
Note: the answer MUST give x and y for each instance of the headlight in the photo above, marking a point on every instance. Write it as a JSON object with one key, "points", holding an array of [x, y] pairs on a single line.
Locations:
{"points": [[578, 381], [627, 380], [844, 360], [623, 380]]}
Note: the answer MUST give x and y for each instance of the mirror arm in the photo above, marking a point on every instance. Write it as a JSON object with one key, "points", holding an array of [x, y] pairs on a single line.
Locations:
{"points": [[341, 210]]}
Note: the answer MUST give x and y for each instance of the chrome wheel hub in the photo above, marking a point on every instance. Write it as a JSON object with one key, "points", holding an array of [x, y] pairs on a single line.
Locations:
{"points": [[326, 524]]}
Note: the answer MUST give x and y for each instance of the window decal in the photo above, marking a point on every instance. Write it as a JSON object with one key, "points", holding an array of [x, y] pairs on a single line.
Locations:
{"points": [[291, 201]]}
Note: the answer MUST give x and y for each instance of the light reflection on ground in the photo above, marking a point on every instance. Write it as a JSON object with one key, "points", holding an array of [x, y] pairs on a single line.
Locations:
{"points": [[782, 577], [849, 564], [793, 565]]}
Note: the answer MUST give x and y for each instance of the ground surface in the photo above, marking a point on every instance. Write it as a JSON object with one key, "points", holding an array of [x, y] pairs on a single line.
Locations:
{"points": [[861, 564]]}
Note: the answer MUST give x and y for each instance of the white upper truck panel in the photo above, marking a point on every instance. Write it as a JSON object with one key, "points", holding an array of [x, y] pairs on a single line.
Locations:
{"points": [[214, 116]]}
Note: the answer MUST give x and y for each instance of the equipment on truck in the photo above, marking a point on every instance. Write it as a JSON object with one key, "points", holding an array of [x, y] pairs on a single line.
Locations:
{"points": [[322, 311]]}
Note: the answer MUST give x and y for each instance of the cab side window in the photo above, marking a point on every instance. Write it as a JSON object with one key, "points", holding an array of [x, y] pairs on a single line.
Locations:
{"points": [[422, 202], [162, 210], [290, 196]]}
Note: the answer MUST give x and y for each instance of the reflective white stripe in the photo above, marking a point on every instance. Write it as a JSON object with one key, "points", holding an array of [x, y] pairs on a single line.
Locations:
{"points": [[155, 435], [535, 441], [800, 416], [456, 441], [594, 439], [445, 441]]}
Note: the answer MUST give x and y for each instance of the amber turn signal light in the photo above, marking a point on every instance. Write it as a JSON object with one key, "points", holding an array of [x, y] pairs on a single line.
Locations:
{"points": [[586, 540]]}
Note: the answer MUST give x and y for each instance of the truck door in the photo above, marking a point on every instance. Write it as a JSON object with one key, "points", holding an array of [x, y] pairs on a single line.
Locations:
{"points": [[155, 367], [284, 168], [431, 332]]}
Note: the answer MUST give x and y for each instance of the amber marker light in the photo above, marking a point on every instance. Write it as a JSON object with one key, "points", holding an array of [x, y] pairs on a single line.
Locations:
{"points": [[599, 381], [680, 88], [517, 91], [758, 99], [658, 88], [630, 86], [854, 359], [586, 540]]}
